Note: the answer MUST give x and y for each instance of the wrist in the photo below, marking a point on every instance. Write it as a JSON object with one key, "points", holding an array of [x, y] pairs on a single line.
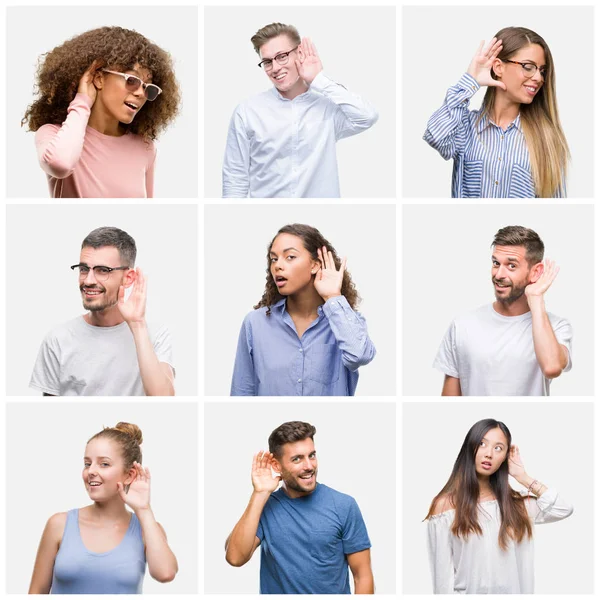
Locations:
{"points": [[525, 480], [536, 302], [137, 325], [143, 511], [330, 296]]}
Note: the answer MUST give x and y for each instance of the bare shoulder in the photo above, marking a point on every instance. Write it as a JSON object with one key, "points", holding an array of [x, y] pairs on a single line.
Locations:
{"points": [[443, 504], [55, 526]]}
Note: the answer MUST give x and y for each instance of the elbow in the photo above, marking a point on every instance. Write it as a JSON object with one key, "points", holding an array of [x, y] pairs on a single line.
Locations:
{"points": [[354, 361], [57, 168], [371, 118], [235, 561], [165, 576], [551, 371]]}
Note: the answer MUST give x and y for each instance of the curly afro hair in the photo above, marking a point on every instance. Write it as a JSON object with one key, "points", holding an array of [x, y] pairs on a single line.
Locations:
{"points": [[119, 49], [312, 241]]}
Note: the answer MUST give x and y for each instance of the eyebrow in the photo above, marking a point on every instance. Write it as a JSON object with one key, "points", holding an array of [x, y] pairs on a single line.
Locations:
{"points": [[99, 458], [509, 258], [286, 250]]}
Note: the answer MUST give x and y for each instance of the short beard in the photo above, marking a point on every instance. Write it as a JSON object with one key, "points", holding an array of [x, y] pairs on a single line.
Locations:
{"points": [[100, 307], [513, 296], [290, 482]]}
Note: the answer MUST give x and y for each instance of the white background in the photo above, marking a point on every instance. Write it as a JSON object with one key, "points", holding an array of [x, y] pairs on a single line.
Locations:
{"points": [[349, 436], [44, 241], [357, 48], [35, 31], [556, 445], [45, 461], [435, 61], [447, 272], [236, 240]]}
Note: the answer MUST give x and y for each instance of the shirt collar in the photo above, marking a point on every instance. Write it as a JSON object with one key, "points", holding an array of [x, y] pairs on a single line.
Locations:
{"points": [[280, 305], [301, 98], [485, 122]]}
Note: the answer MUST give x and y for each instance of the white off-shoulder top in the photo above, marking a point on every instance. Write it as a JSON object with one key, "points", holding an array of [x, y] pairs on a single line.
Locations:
{"points": [[477, 565]]}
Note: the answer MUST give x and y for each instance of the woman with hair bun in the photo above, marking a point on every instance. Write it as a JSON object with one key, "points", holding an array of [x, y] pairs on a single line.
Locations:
{"points": [[305, 337], [514, 145], [104, 97], [480, 530], [103, 548]]}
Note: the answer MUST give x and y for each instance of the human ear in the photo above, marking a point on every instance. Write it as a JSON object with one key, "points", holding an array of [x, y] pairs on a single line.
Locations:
{"points": [[498, 68], [130, 478], [129, 278], [536, 272], [98, 80], [275, 465]]}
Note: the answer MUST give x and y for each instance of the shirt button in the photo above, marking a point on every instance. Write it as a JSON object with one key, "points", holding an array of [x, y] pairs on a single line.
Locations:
{"points": [[499, 158], [299, 380], [502, 136], [301, 350], [496, 182]]}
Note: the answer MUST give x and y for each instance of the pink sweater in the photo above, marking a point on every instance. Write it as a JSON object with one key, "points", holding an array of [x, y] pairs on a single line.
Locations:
{"points": [[81, 162]]}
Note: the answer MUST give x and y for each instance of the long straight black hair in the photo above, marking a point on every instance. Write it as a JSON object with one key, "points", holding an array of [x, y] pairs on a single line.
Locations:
{"points": [[462, 490]]}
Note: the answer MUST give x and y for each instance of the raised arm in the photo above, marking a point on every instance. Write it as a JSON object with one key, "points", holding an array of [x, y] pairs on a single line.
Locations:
{"points": [[162, 563], [348, 327], [59, 150], [549, 507], [354, 114], [157, 377], [552, 356], [43, 570], [445, 129], [243, 540]]}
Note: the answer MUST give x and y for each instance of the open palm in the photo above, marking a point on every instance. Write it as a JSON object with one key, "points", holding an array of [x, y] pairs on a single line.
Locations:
{"points": [[133, 309], [481, 64], [138, 495], [308, 63], [328, 280], [262, 477]]}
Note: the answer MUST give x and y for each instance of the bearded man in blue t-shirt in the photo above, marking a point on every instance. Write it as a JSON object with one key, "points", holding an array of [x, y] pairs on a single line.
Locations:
{"points": [[309, 534]]}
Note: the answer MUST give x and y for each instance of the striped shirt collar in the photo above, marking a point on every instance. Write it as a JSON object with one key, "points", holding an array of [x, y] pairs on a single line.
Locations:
{"points": [[486, 122]]}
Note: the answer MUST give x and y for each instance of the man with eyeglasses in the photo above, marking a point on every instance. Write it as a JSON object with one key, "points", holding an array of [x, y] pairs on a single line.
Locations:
{"points": [[281, 143], [109, 351]]}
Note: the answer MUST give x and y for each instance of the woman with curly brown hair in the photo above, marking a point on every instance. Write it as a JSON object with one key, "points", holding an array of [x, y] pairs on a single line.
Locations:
{"points": [[104, 97], [304, 337]]}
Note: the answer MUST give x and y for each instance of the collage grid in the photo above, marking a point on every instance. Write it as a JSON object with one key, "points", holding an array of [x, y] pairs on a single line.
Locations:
{"points": [[198, 509]]}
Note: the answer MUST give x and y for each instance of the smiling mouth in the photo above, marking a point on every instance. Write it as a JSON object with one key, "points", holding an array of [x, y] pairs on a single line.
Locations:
{"points": [[131, 105], [306, 477], [280, 77], [94, 484], [92, 292]]}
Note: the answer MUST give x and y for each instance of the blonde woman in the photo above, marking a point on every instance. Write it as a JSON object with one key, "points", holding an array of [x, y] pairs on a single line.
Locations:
{"points": [[103, 548], [514, 145]]}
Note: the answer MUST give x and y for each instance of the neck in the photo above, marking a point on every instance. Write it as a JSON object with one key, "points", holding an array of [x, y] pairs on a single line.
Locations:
{"points": [[103, 122], [300, 87], [505, 111], [484, 485], [109, 317], [304, 303], [514, 309], [111, 510]]}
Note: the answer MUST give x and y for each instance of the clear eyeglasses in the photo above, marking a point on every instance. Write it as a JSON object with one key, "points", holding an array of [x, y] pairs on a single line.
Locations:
{"points": [[101, 273], [281, 58]]}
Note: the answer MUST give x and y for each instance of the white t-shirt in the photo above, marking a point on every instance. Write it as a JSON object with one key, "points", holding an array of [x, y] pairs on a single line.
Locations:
{"points": [[493, 355], [79, 359]]}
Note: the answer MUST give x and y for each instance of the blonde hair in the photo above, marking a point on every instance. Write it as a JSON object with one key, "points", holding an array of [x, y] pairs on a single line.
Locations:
{"points": [[268, 32], [546, 141], [129, 437]]}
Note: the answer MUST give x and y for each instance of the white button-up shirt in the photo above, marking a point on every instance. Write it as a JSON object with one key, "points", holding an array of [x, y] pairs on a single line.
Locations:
{"points": [[280, 148]]}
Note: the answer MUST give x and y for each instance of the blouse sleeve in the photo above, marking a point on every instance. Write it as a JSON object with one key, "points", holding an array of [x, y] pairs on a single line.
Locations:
{"points": [[448, 126], [440, 554], [548, 508], [59, 150], [350, 330]]}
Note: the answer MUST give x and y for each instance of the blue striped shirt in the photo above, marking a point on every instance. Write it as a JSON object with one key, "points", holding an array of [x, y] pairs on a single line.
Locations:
{"points": [[272, 360], [489, 162]]}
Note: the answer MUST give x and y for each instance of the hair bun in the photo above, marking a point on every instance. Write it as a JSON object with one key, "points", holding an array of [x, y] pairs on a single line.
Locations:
{"points": [[131, 430]]}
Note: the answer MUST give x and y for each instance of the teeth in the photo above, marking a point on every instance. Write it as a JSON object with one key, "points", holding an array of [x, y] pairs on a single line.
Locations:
{"points": [[280, 77], [94, 484]]}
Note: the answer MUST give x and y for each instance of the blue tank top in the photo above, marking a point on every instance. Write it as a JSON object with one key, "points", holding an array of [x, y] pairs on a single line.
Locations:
{"points": [[77, 570]]}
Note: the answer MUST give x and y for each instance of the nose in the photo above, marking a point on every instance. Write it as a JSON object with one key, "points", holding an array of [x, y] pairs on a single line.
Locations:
{"points": [[537, 77], [308, 466], [501, 272], [90, 277]]}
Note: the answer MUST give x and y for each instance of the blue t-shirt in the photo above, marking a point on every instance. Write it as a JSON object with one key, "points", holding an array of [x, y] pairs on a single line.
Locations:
{"points": [[304, 542]]}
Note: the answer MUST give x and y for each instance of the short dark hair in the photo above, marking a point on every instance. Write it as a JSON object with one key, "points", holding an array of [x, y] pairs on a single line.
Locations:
{"points": [[116, 238], [516, 235], [292, 431]]}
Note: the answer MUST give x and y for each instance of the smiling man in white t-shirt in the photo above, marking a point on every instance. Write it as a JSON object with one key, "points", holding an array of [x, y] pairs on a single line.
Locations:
{"points": [[512, 347]]}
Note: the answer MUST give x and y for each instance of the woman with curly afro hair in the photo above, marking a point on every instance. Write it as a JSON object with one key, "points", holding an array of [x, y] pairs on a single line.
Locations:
{"points": [[304, 337], [104, 97]]}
